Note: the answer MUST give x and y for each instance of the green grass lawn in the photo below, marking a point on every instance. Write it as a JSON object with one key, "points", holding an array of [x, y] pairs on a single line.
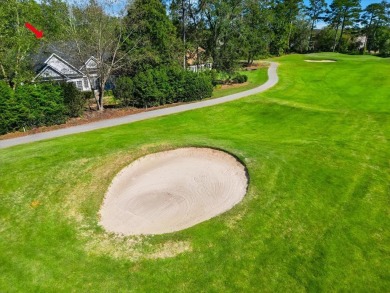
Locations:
{"points": [[255, 78], [316, 216]]}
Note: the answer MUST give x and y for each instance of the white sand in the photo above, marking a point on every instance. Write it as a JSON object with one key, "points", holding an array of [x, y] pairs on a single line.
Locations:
{"points": [[173, 190], [320, 61]]}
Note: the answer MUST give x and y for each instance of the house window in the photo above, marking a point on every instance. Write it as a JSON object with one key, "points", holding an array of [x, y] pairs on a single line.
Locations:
{"points": [[79, 84], [86, 84]]}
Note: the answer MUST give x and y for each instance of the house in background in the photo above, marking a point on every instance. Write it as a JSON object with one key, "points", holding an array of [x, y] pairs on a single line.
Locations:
{"points": [[56, 68], [197, 61]]}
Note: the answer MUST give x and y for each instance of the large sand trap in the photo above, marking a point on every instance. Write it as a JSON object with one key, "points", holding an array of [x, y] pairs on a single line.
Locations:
{"points": [[172, 190], [320, 61]]}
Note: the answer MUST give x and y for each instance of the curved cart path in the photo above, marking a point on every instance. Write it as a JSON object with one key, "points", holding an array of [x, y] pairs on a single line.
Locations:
{"points": [[272, 80]]}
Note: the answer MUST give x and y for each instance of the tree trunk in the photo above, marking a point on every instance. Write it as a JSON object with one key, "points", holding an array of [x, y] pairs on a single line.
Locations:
{"points": [[366, 40], [96, 97], [341, 33], [311, 34], [184, 35], [101, 95], [3, 72], [335, 38]]}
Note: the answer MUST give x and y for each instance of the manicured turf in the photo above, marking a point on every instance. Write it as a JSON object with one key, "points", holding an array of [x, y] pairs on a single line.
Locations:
{"points": [[316, 216], [255, 78]]}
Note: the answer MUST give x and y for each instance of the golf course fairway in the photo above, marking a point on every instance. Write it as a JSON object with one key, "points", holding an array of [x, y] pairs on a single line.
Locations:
{"points": [[315, 216]]}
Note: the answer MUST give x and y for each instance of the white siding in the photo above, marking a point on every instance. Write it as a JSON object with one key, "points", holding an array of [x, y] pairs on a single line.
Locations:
{"points": [[60, 66]]}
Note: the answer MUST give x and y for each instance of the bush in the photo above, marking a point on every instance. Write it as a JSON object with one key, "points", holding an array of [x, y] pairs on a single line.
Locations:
{"points": [[197, 86], [151, 88], [160, 86], [213, 75], [8, 109], [240, 78], [74, 100], [124, 91], [41, 104]]}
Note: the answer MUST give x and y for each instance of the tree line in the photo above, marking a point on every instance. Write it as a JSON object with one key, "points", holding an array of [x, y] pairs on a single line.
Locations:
{"points": [[151, 33], [233, 29]]}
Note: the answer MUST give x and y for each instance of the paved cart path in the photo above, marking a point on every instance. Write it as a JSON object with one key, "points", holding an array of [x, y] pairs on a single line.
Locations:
{"points": [[272, 80]]}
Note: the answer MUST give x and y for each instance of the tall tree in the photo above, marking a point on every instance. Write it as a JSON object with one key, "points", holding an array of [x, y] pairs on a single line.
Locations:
{"points": [[343, 13], [95, 33], [186, 16], [55, 17], [314, 12], [150, 26], [373, 17], [222, 19], [301, 35], [256, 33], [16, 42], [286, 11]]}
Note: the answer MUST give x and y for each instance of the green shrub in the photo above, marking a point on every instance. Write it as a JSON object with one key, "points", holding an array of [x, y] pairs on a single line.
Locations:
{"points": [[124, 91], [152, 88], [74, 100], [40, 104], [213, 75], [160, 86], [43, 104], [197, 87], [240, 78], [10, 112], [176, 81]]}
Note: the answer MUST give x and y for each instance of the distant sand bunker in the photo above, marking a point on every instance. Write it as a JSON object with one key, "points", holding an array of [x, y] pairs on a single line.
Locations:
{"points": [[320, 61], [172, 190]]}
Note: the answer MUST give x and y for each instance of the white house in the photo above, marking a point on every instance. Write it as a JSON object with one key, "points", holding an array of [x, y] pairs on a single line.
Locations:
{"points": [[56, 68]]}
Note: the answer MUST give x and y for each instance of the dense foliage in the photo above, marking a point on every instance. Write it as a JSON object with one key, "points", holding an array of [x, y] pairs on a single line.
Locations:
{"points": [[240, 78], [249, 29], [153, 36], [163, 85], [74, 100], [124, 91], [33, 105]]}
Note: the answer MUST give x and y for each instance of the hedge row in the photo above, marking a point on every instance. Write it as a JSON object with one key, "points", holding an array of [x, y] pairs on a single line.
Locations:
{"points": [[35, 105], [161, 86]]}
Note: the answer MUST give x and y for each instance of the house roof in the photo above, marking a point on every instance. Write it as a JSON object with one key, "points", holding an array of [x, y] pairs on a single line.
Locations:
{"points": [[45, 69], [90, 70], [62, 50]]}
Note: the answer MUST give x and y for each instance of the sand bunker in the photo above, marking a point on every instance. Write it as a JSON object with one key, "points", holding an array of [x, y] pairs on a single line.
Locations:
{"points": [[172, 190], [320, 61]]}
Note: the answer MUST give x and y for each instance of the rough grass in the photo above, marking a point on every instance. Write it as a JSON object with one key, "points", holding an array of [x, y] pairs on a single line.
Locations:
{"points": [[315, 218]]}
